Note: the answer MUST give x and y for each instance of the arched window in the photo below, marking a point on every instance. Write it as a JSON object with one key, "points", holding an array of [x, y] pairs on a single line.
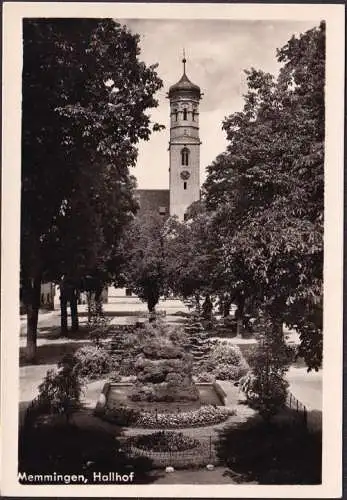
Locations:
{"points": [[185, 156], [175, 113], [185, 114], [193, 115]]}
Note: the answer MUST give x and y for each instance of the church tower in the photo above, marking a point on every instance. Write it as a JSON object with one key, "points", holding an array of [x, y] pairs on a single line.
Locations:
{"points": [[184, 146]]}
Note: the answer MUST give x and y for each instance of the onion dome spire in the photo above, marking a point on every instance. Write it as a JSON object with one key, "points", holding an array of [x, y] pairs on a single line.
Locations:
{"points": [[184, 86]]}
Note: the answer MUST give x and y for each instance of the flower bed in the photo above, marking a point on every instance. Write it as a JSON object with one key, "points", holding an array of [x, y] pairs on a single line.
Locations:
{"points": [[206, 415], [164, 441]]}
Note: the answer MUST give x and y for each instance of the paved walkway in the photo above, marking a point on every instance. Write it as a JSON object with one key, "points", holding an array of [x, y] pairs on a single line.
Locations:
{"points": [[219, 475]]}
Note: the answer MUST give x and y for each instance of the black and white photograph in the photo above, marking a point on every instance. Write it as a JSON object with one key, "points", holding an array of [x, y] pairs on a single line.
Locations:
{"points": [[172, 250]]}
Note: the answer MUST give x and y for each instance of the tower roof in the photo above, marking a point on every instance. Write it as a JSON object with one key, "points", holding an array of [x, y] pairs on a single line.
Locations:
{"points": [[184, 85]]}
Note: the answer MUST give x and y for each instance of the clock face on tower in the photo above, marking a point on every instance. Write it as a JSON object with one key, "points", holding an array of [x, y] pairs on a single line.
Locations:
{"points": [[185, 175]]}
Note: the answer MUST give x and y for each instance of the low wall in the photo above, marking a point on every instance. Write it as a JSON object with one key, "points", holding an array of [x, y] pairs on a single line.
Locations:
{"points": [[162, 407], [221, 393], [199, 456]]}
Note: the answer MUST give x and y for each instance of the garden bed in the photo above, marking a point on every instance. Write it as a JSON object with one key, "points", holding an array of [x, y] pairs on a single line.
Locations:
{"points": [[122, 412], [199, 455]]}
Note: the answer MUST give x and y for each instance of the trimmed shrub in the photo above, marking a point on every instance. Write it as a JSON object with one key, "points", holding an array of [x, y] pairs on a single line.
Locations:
{"points": [[225, 371], [226, 362], [94, 361]]}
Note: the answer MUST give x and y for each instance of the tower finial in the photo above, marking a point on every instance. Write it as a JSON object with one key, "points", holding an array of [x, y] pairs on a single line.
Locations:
{"points": [[184, 60]]}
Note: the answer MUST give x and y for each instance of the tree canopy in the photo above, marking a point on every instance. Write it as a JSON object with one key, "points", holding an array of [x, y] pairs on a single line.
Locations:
{"points": [[266, 192], [85, 96]]}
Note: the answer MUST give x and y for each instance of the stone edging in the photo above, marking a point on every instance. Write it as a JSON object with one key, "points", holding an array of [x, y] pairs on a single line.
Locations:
{"points": [[197, 456]]}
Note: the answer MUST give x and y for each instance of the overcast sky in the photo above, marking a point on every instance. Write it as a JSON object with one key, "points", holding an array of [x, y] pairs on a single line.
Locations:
{"points": [[217, 52]]}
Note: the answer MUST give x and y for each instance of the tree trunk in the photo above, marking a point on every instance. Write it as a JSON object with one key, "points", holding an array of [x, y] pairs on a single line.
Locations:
{"points": [[74, 312], [152, 300], [275, 311], [239, 328], [207, 308], [63, 313], [33, 306], [226, 307], [239, 315], [89, 303]]}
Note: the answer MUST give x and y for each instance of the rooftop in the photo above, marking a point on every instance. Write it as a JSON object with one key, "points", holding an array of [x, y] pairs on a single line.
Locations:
{"points": [[184, 85]]}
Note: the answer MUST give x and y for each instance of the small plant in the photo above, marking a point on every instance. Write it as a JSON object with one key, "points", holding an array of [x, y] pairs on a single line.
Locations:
{"points": [[94, 362], [61, 389]]}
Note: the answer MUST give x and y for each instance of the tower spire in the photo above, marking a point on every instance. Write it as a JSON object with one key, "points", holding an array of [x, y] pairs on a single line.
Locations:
{"points": [[184, 60]]}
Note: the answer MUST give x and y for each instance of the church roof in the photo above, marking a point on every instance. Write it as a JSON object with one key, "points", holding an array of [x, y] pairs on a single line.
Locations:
{"points": [[153, 201], [184, 85]]}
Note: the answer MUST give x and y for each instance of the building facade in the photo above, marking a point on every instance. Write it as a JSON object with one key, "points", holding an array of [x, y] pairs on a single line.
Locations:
{"points": [[184, 154]]}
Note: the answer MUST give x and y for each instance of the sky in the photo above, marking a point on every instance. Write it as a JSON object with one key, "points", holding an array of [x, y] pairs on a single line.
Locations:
{"points": [[217, 52]]}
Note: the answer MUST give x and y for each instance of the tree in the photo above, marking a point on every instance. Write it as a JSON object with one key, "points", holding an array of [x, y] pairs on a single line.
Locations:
{"points": [[265, 385], [85, 94], [61, 390], [144, 249], [269, 200]]}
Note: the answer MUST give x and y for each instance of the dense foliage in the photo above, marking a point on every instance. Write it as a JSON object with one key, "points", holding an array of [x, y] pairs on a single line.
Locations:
{"points": [[256, 237], [85, 96], [93, 362], [225, 362]]}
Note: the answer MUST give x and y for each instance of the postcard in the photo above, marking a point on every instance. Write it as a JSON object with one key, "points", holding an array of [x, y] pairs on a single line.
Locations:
{"points": [[172, 250]]}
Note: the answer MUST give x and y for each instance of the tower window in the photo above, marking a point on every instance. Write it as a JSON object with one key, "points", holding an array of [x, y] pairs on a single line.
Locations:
{"points": [[185, 114], [185, 156], [184, 185], [193, 115], [175, 113]]}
